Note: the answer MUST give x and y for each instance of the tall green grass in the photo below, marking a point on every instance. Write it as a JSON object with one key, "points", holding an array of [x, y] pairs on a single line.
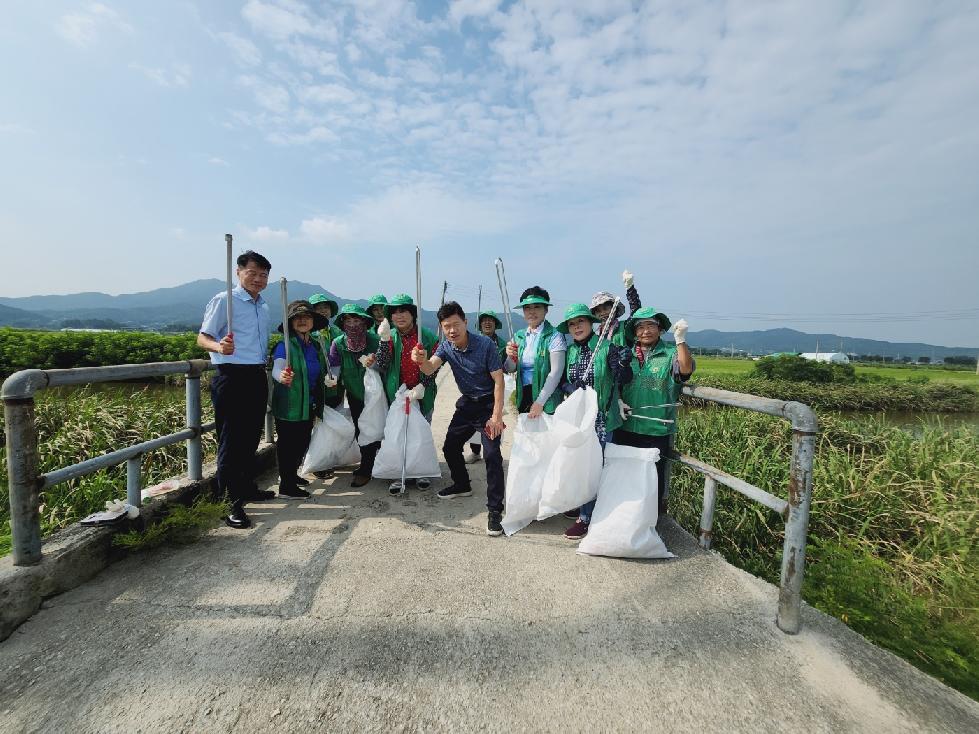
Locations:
{"points": [[89, 422], [893, 530]]}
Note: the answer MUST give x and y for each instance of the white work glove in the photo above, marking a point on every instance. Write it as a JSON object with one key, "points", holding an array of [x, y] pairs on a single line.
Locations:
{"points": [[366, 360], [417, 392], [680, 331], [118, 506], [627, 279], [384, 331], [625, 412], [330, 380]]}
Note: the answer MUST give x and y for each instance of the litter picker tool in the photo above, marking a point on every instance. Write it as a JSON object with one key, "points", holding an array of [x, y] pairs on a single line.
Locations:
{"points": [[404, 447], [479, 304], [606, 327], [445, 287], [418, 278], [504, 294], [227, 241], [284, 293]]}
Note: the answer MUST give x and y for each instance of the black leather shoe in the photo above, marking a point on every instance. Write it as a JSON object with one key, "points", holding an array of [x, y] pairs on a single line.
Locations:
{"points": [[261, 494], [238, 520], [301, 481], [359, 480]]}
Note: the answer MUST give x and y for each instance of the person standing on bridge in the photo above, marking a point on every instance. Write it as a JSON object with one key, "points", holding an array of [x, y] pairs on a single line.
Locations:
{"points": [[297, 395], [239, 390], [601, 307], [489, 324], [537, 355], [478, 372], [648, 405]]}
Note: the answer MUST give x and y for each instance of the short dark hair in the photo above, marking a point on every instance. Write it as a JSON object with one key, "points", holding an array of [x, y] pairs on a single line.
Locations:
{"points": [[251, 256], [450, 308], [536, 290]]}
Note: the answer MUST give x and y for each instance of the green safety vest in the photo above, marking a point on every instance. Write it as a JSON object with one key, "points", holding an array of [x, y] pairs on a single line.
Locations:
{"points": [[608, 392], [327, 338], [652, 384], [292, 403], [392, 380], [542, 366], [351, 370]]}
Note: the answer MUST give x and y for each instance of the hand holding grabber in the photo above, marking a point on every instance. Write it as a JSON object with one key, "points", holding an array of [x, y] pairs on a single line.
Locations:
{"points": [[418, 354]]}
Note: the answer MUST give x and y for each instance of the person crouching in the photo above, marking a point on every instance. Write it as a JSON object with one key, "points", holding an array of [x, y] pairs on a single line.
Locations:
{"points": [[297, 395]]}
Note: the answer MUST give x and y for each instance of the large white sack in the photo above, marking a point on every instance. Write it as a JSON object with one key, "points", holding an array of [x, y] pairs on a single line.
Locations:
{"points": [[575, 469], [534, 443], [374, 415], [422, 459], [623, 523], [331, 443]]}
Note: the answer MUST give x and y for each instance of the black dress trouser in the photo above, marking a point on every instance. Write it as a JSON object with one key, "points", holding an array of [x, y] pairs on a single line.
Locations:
{"points": [[369, 452], [291, 443], [471, 416], [239, 394]]}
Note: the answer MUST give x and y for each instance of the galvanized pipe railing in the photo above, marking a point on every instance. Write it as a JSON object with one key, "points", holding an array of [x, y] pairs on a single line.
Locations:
{"points": [[795, 510], [25, 482]]}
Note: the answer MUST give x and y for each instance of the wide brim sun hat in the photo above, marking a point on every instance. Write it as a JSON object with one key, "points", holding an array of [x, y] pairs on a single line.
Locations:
{"points": [[305, 308], [646, 314], [605, 297], [402, 300], [576, 311]]}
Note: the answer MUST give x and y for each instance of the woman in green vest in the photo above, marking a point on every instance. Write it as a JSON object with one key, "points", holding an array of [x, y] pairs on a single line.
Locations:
{"points": [[356, 342], [649, 401], [610, 370], [601, 307], [395, 362], [489, 324], [297, 394], [376, 310], [327, 307], [537, 356]]}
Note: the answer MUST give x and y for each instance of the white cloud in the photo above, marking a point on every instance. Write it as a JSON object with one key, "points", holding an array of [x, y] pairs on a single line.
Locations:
{"points": [[177, 75], [266, 234], [287, 18], [318, 134], [82, 28], [325, 231], [15, 128], [215, 161], [325, 94], [245, 52], [269, 96]]}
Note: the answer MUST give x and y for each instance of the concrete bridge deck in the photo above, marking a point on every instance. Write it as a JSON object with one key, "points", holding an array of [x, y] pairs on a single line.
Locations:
{"points": [[357, 611]]}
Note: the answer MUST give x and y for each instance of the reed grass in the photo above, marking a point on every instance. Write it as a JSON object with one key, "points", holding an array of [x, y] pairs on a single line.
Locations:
{"points": [[893, 529]]}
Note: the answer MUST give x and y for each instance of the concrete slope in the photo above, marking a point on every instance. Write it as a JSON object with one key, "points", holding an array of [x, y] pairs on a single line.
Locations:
{"points": [[358, 611]]}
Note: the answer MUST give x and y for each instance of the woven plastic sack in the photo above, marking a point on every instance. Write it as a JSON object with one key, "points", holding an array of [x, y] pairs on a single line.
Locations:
{"points": [[575, 469], [422, 460], [331, 443], [534, 443], [374, 415], [623, 523]]}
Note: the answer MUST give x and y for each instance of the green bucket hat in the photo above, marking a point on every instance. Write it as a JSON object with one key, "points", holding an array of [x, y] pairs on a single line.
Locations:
{"points": [[489, 314], [323, 298], [646, 314], [378, 300], [402, 300], [532, 300], [304, 308], [576, 311], [352, 309]]}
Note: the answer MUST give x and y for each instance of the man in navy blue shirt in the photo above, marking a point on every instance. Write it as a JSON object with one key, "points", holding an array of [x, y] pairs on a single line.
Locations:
{"points": [[478, 372], [239, 391]]}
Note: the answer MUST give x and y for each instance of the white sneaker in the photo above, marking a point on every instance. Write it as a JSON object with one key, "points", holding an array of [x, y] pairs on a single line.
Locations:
{"points": [[472, 458]]}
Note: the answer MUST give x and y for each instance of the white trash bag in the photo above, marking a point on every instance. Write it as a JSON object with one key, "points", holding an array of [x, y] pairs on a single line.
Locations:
{"points": [[509, 387], [534, 443], [575, 469], [623, 523], [422, 459], [374, 415], [331, 444]]}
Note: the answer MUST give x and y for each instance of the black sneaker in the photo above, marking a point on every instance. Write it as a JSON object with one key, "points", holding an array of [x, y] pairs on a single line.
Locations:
{"points": [[238, 519], [293, 493], [451, 492], [394, 488], [259, 495], [493, 526], [301, 481]]}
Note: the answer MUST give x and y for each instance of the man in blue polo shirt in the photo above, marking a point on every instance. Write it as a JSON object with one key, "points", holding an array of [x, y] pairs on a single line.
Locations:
{"points": [[478, 372], [239, 390]]}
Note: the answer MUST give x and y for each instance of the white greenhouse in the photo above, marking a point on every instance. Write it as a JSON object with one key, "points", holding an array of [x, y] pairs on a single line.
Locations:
{"points": [[835, 357]]}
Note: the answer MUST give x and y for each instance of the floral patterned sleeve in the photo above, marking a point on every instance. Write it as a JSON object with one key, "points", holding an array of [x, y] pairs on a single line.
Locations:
{"points": [[383, 357], [632, 296]]}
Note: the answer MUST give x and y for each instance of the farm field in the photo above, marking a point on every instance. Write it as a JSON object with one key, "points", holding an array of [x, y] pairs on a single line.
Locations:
{"points": [[721, 366]]}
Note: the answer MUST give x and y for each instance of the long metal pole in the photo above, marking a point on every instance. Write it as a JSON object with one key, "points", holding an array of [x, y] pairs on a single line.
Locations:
{"points": [[479, 305], [418, 280], [25, 516], [796, 528], [601, 336], [227, 241], [194, 459], [404, 447], [284, 295], [504, 295]]}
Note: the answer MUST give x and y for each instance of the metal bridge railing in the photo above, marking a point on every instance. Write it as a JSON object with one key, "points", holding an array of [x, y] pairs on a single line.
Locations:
{"points": [[795, 510], [26, 483]]}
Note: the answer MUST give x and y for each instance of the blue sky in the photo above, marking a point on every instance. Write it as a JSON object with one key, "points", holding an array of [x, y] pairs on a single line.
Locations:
{"points": [[755, 164]]}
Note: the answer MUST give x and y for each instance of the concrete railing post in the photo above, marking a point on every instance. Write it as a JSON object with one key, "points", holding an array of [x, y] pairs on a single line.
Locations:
{"points": [[195, 465], [133, 470], [707, 514], [668, 468], [804, 429], [22, 465]]}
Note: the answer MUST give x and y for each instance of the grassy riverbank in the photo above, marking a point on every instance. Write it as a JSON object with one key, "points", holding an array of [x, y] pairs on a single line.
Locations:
{"points": [[893, 533], [92, 422]]}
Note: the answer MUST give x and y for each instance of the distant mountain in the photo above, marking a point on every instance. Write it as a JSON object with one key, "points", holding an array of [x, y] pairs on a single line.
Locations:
{"points": [[185, 304]]}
